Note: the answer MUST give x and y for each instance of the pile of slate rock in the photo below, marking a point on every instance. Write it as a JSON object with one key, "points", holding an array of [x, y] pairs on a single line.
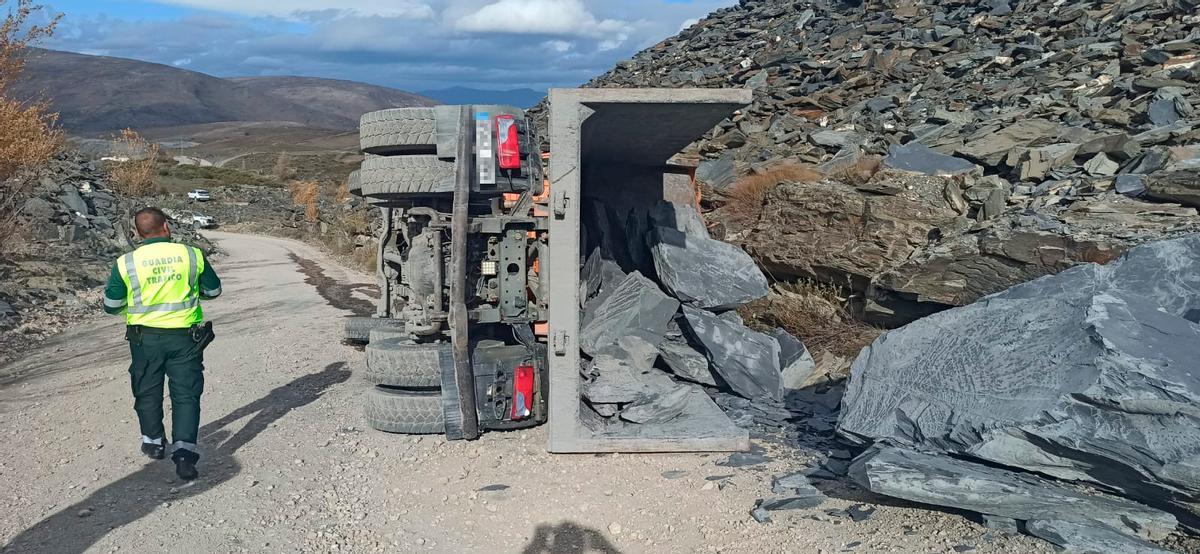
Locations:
{"points": [[659, 321], [1067, 407], [67, 232], [1057, 133]]}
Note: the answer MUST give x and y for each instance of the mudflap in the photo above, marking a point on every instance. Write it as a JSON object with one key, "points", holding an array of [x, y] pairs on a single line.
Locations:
{"points": [[451, 410]]}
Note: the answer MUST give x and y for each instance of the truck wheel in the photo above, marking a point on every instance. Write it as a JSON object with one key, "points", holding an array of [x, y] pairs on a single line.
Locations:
{"points": [[358, 329], [399, 177], [398, 131], [389, 332], [402, 363], [353, 184], [396, 411]]}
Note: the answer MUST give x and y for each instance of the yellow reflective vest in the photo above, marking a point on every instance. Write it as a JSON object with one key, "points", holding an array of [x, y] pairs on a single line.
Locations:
{"points": [[162, 283]]}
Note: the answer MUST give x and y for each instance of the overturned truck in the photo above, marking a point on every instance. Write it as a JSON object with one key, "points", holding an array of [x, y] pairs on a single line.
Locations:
{"points": [[591, 297]]}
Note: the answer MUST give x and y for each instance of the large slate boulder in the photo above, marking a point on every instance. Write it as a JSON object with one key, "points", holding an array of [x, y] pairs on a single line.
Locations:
{"points": [[748, 361], [705, 273], [945, 481], [1089, 375], [635, 307]]}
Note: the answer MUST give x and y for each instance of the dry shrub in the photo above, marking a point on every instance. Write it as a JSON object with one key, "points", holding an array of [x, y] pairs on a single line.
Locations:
{"points": [[861, 172], [746, 198], [357, 222], [305, 195], [365, 258], [29, 135], [342, 193], [283, 168], [136, 176], [817, 314]]}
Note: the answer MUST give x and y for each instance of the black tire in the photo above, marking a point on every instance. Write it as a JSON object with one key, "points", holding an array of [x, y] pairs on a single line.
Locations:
{"points": [[354, 184], [404, 364], [389, 332], [396, 411], [358, 329], [398, 131], [400, 177]]}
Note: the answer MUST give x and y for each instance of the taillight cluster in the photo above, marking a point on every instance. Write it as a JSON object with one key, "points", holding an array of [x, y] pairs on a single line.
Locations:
{"points": [[508, 143], [522, 398]]}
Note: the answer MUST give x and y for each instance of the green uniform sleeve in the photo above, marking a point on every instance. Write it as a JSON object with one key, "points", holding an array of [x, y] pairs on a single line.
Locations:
{"points": [[115, 293], [210, 284]]}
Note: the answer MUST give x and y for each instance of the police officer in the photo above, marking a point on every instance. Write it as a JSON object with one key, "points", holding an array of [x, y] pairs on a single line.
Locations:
{"points": [[158, 287]]}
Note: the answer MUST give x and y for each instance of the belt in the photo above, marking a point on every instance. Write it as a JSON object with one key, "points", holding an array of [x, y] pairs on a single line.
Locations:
{"points": [[157, 331]]}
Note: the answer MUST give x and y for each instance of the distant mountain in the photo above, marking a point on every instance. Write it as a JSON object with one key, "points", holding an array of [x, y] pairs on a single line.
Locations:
{"points": [[334, 97], [520, 97], [98, 93]]}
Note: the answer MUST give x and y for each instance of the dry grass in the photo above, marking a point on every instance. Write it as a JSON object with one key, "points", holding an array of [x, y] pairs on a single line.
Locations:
{"points": [[29, 135], [746, 198], [135, 177], [817, 314], [305, 194]]}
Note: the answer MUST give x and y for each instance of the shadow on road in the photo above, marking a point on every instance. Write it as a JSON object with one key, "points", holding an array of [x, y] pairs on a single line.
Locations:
{"points": [[338, 294], [571, 537], [143, 491]]}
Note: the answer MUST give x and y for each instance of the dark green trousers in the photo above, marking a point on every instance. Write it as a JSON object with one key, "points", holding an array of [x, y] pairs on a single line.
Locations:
{"points": [[178, 360]]}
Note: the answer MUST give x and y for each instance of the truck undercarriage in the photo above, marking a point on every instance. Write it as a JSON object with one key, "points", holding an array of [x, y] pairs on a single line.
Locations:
{"points": [[498, 264]]}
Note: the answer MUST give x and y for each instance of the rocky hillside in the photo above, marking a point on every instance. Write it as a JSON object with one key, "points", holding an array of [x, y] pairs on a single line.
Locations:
{"points": [[124, 93], [1017, 137], [69, 230]]}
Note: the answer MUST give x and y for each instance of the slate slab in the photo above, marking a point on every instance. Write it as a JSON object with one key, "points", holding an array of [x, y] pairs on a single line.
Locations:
{"points": [[658, 407], [718, 174], [1130, 185], [635, 307], [836, 139], [680, 217], [748, 361], [945, 481], [705, 273], [686, 363], [917, 157], [791, 503], [794, 358], [72, 200], [1073, 537]]}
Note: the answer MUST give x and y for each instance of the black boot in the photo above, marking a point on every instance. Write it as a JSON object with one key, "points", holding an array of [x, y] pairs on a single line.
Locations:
{"points": [[154, 451], [185, 463]]}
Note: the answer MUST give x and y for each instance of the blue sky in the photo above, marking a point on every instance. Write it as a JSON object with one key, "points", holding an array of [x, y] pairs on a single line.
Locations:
{"points": [[408, 44]]}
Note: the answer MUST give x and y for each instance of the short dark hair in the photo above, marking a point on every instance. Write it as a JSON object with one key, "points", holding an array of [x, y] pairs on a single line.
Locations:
{"points": [[149, 220]]}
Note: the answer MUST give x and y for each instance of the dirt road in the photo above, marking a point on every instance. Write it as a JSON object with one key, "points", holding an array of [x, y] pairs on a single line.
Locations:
{"points": [[288, 464]]}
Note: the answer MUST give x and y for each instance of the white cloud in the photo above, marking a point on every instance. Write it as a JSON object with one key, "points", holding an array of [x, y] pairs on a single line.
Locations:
{"points": [[473, 43], [688, 23], [182, 62], [287, 8], [559, 46], [548, 17]]}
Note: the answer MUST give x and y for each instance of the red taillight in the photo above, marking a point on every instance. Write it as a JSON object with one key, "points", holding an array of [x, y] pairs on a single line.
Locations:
{"points": [[508, 143], [522, 404]]}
